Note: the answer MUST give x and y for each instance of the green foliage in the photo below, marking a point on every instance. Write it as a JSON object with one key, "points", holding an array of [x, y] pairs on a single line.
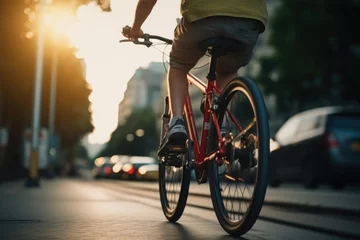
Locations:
{"points": [[81, 152], [17, 61], [72, 109], [315, 61], [140, 146]]}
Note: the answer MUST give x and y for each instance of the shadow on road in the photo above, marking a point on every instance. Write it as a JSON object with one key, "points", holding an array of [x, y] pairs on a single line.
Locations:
{"points": [[182, 232]]}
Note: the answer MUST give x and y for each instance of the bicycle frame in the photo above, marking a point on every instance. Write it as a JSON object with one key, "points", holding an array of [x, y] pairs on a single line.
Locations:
{"points": [[199, 151], [200, 147], [209, 89]]}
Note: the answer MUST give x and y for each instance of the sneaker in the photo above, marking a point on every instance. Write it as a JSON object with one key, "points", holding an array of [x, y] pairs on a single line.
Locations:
{"points": [[174, 139]]}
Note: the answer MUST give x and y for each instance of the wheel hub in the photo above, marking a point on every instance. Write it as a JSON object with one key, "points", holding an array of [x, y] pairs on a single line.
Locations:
{"points": [[242, 152]]}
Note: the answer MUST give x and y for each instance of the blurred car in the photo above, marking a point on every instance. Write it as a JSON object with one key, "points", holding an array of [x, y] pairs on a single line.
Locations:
{"points": [[118, 166], [82, 167], [148, 172], [129, 168], [103, 167], [318, 145]]}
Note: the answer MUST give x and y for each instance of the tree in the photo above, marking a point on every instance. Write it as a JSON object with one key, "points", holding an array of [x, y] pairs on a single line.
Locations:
{"points": [[15, 81], [73, 118], [317, 54], [128, 138], [17, 59], [81, 152]]}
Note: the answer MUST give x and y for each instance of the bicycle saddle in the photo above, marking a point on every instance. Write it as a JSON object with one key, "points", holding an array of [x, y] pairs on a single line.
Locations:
{"points": [[220, 46]]}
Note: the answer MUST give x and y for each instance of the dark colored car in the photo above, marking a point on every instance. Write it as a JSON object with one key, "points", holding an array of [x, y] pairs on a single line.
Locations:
{"points": [[103, 167], [319, 145]]}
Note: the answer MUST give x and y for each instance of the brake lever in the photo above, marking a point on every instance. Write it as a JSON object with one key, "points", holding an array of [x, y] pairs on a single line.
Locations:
{"points": [[147, 41]]}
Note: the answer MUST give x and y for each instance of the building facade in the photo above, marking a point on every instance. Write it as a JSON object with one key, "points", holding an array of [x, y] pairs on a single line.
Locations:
{"points": [[144, 90]]}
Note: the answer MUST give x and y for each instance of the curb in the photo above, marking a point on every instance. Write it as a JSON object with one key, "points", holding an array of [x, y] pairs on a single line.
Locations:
{"points": [[309, 208], [318, 229]]}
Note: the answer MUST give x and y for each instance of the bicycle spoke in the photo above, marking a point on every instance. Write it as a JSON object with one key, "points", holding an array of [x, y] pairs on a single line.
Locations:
{"points": [[174, 185], [234, 177]]}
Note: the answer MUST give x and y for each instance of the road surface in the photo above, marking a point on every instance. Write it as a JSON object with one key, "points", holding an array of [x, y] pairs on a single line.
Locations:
{"points": [[86, 209]]}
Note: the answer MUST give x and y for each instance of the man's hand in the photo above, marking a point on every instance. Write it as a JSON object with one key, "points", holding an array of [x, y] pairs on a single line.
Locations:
{"points": [[132, 33]]}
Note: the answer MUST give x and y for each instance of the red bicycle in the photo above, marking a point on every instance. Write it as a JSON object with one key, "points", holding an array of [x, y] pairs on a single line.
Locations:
{"points": [[232, 151]]}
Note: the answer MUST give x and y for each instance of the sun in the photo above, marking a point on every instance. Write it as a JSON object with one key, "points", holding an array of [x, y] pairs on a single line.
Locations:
{"points": [[95, 35]]}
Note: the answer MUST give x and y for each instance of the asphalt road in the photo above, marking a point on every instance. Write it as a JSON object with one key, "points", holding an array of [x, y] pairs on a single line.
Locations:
{"points": [[83, 209]]}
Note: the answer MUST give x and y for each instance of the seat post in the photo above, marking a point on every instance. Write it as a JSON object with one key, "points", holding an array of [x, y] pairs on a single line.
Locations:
{"points": [[212, 69]]}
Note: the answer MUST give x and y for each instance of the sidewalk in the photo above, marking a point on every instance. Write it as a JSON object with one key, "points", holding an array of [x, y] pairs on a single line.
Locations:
{"points": [[288, 195], [346, 201], [325, 199]]}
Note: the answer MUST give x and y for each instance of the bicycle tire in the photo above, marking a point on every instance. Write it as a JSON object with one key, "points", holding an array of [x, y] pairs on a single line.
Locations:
{"points": [[247, 86], [173, 212]]}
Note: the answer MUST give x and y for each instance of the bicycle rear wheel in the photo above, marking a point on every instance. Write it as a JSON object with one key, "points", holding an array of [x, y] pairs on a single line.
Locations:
{"points": [[238, 186], [174, 181]]}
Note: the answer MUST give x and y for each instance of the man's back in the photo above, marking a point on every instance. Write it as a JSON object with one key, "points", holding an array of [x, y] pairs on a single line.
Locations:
{"points": [[193, 10]]}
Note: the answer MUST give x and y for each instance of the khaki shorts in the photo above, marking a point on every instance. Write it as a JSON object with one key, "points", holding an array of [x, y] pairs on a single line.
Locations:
{"points": [[185, 52]]}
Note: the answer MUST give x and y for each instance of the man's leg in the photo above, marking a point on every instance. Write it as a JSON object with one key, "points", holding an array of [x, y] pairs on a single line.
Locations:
{"points": [[183, 57], [177, 90], [222, 79], [245, 31], [176, 134]]}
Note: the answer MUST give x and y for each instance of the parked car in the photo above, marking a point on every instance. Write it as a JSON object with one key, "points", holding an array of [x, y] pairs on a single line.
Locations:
{"points": [[103, 167], [148, 172], [318, 145], [130, 167], [117, 169]]}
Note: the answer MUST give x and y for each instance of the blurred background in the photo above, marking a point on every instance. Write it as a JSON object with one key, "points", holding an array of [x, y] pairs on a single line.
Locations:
{"points": [[101, 104], [100, 98]]}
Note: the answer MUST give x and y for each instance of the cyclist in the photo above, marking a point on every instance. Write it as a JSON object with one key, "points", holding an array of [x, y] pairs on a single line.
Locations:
{"points": [[241, 20]]}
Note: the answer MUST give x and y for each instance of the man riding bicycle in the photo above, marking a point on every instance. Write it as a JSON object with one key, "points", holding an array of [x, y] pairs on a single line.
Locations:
{"points": [[241, 20]]}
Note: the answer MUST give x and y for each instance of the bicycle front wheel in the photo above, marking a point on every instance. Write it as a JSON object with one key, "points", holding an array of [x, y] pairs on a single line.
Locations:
{"points": [[174, 188], [238, 186], [174, 181]]}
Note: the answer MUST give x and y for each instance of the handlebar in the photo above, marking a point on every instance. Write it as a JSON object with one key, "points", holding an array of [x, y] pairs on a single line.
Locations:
{"points": [[146, 38]]}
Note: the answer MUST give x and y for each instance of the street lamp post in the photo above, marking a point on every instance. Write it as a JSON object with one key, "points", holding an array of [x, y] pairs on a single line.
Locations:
{"points": [[33, 178], [52, 107]]}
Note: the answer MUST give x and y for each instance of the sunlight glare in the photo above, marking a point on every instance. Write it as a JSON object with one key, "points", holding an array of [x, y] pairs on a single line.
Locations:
{"points": [[109, 65]]}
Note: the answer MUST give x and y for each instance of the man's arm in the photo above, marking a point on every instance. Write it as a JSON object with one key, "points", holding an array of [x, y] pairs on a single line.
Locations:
{"points": [[143, 10]]}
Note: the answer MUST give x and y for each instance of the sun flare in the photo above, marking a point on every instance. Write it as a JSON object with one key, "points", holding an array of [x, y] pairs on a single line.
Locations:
{"points": [[95, 35]]}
